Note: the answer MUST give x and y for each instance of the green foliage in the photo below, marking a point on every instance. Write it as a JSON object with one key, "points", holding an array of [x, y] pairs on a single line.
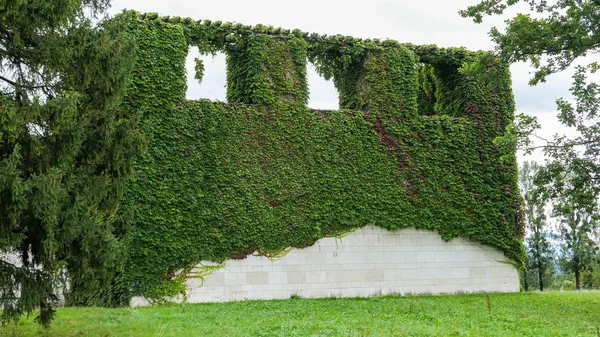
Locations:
{"points": [[560, 31], [199, 69], [64, 151], [590, 277], [522, 314], [427, 88], [559, 34], [539, 259], [158, 86], [265, 173], [263, 69], [576, 207]]}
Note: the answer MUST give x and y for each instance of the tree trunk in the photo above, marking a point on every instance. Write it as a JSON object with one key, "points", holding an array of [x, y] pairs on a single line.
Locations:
{"points": [[577, 285], [538, 257], [541, 276]]}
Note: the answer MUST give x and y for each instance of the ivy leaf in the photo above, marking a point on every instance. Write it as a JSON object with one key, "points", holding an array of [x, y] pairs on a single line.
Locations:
{"points": [[199, 69]]}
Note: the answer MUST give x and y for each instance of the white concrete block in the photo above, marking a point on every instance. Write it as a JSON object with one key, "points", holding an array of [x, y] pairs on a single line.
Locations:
{"points": [[314, 258], [233, 278], [257, 278], [316, 277], [408, 257], [425, 257], [478, 272], [376, 257], [443, 273], [442, 256], [296, 277], [374, 275], [460, 272], [214, 279]]}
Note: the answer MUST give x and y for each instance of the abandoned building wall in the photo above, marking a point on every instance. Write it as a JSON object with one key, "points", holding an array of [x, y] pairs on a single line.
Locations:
{"points": [[262, 174]]}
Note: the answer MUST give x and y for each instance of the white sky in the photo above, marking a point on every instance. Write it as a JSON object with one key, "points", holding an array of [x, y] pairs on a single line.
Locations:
{"points": [[419, 22]]}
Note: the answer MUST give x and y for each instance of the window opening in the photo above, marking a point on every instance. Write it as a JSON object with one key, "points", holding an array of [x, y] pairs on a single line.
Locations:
{"points": [[213, 72], [322, 93]]}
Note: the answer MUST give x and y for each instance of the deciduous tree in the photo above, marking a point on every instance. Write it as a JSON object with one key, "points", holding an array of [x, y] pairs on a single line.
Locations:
{"points": [[540, 259], [575, 205], [555, 36]]}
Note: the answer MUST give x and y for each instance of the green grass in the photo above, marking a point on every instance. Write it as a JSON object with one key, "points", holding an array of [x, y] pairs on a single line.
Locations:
{"points": [[521, 314]]}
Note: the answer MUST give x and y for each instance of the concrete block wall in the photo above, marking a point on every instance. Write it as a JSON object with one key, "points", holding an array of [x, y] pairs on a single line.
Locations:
{"points": [[371, 261]]}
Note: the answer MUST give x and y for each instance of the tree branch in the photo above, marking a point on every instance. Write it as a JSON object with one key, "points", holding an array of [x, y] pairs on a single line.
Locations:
{"points": [[552, 146], [14, 84]]}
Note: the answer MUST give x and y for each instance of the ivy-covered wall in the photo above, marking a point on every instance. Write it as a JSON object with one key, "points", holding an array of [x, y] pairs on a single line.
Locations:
{"points": [[411, 147]]}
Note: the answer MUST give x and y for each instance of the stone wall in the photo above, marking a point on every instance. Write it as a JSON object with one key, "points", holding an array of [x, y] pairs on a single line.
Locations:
{"points": [[371, 261]]}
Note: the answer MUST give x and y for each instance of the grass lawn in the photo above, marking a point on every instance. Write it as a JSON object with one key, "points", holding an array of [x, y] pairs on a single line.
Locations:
{"points": [[521, 314]]}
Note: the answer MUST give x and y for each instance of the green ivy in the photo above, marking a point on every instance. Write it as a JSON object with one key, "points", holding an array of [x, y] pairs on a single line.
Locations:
{"points": [[411, 147], [264, 69]]}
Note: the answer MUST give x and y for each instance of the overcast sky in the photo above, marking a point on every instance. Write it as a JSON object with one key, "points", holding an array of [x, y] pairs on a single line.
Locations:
{"points": [[419, 22]]}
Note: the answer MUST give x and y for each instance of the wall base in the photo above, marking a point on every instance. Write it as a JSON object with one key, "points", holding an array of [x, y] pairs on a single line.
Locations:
{"points": [[371, 261]]}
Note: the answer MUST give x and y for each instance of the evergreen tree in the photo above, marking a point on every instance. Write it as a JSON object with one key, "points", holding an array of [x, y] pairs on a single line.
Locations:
{"points": [[65, 150]]}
